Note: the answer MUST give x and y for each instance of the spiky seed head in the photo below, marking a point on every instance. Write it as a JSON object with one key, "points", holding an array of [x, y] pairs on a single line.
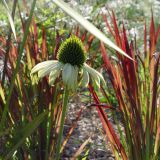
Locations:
{"points": [[72, 51]]}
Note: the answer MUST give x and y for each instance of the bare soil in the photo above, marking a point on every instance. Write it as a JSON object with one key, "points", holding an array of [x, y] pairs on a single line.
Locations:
{"points": [[88, 126]]}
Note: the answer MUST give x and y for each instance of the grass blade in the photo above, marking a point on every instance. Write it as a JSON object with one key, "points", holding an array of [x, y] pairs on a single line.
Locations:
{"points": [[8, 43], [89, 26], [17, 66], [81, 148], [10, 19], [27, 130], [71, 129], [108, 127]]}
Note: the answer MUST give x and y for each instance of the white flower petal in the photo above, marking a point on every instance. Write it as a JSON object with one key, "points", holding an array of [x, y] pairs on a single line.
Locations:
{"points": [[69, 76], [73, 82], [95, 75], [42, 65], [85, 78], [47, 69], [67, 73], [55, 73]]}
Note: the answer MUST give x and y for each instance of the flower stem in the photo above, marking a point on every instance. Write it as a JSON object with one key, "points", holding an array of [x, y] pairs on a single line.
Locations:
{"points": [[64, 109]]}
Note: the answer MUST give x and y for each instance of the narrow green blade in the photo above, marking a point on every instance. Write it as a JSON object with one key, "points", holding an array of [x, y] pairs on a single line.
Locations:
{"points": [[10, 19], [88, 26], [27, 131]]}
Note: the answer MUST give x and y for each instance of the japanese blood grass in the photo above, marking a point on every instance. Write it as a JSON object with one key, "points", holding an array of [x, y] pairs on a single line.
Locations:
{"points": [[20, 51], [136, 87], [30, 113], [28, 101]]}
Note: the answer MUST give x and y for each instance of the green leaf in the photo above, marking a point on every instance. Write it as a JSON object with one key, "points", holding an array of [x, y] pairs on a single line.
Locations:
{"points": [[88, 26], [86, 154], [2, 94], [10, 19], [27, 131]]}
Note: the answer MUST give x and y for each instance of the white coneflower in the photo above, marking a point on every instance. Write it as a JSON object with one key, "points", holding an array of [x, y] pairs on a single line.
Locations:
{"points": [[71, 63], [74, 71]]}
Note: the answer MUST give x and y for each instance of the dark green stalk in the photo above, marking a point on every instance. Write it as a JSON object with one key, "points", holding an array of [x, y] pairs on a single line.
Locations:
{"points": [[64, 109]]}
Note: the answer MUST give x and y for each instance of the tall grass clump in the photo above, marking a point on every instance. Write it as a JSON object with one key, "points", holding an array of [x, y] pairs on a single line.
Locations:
{"points": [[136, 85], [26, 109], [32, 112]]}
